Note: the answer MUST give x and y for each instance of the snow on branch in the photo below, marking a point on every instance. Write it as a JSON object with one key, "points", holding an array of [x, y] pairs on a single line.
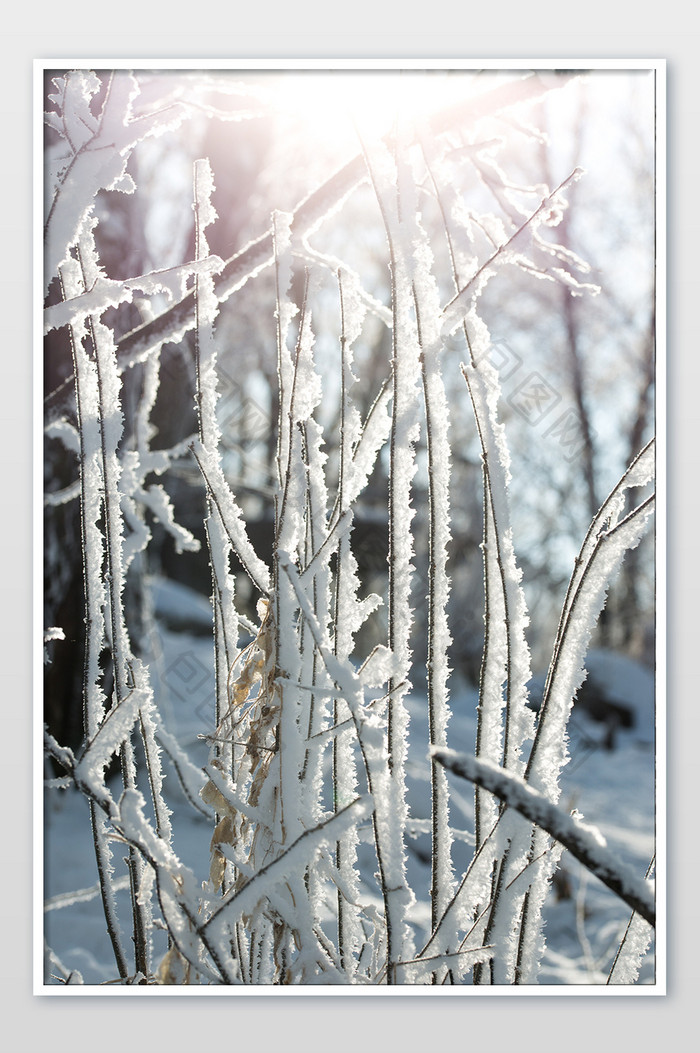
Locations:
{"points": [[297, 856], [455, 309], [583, 841], [109, 292], [231, 517]]}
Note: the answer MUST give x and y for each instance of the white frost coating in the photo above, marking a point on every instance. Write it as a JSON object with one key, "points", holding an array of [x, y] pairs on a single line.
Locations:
{"points": [[545, 860], [422, 968], [83, 895], [91, 481], [427, 308], [179, 894], [158, 501], [190, 777], [206, 309], [207, 303], [130, 676], [567, 672], [64, 496], [295, 858], [294, 714], [228, 798], [395, 191], [206, 213], [349, 615], [300, 528], [307, 382], [634, 947], [113, 731], [284, 313], [507, 657], [316, 531], [372, 735], [231, 516], [585, 842], [109, 292], [380, 667], [110, 418], [507, 251], [206, 399], [63, 430], [639, 473], [93, 155], [373, 437]]}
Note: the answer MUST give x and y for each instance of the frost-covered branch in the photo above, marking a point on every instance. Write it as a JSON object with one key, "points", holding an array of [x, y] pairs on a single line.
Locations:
{"points": [[454, 309], [173, 323], [294, 858], [108, 292], [584, 842]]}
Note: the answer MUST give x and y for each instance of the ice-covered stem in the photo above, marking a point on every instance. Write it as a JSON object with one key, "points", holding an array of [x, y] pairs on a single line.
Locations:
{"points": [[600, 557], [437, 421], [290, 435], [371, 438], [290, 506], [92, 546], [345, 618], [128, 674], [206, 399], [584, 842], [599, 560], [315, 521], [393, 185], [633, 946], [455, 309], [175, 885], [639, 473], [230, 516], [110, 292], [313, 714], [428, 149], [602, 552], [505, 658], [371, 738], [294, 859], [504, 723], [98, 147]]}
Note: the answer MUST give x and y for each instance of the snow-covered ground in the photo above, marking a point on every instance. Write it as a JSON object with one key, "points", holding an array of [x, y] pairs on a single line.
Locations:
{"points": [[614, 789]]}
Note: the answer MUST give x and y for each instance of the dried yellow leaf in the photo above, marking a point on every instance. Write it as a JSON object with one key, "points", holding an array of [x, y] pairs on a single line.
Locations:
{"points": [[217, 869], [173, 969]]}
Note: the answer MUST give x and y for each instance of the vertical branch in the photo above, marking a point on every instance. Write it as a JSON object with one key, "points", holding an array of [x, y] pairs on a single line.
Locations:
{"points": [[110, 431], [426, 304], [504, 723], [206, 400], [488, 722], [344, 772], [289, 534], [93, 554], [392, 182]]}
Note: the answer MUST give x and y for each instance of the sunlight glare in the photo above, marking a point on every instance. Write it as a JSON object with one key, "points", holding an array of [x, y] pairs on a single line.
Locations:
{"points": [[335, 103]]}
